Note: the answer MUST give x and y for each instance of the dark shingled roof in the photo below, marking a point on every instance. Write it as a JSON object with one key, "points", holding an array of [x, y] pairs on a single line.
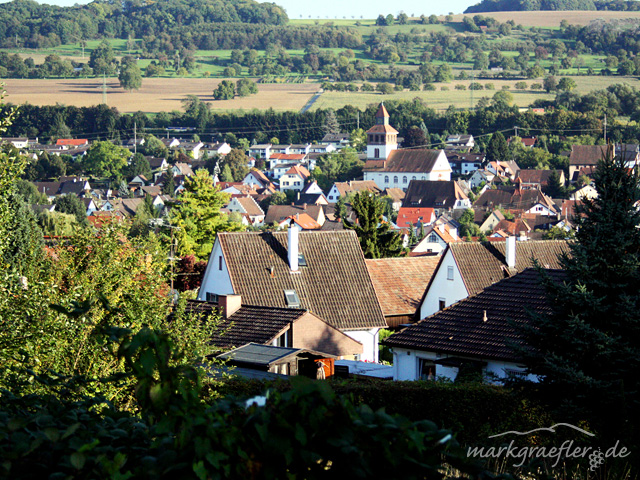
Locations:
{"points": [[249, 324], [433, 194], [335, 285], [410, 161], [461, 329], [587, 154], [277, 213], [512, 197], [482, 264]]}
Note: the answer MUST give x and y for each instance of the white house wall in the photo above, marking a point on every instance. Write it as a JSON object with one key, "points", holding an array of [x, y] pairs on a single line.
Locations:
{"points": [[405, 366], [380, 177], [215, 280], [369, 341], [451, 291]]}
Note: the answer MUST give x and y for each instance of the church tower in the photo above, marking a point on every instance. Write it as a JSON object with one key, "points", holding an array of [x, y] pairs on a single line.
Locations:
{"points": [[382, 138]]}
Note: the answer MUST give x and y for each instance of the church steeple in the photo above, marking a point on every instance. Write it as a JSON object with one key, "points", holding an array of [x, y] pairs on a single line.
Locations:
{"points": [[382, 138], [382, 116]]}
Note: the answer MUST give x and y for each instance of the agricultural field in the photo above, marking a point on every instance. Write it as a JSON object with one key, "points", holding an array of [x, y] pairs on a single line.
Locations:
{"points": [[156, 94], [441, 99], [551, 19]]}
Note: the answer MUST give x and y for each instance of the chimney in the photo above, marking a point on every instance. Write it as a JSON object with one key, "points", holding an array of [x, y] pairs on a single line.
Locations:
{"points": [[293, 234], [229, 304], [441, 227], [510, 252]]}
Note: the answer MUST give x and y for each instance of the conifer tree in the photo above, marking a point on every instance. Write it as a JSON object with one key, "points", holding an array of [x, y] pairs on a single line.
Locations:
{"points": [[376, 237], [587, 354]]}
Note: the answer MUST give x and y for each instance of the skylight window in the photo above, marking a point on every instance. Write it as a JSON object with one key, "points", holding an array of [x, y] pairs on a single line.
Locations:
{"points": [[291, 297], [302, 262]]}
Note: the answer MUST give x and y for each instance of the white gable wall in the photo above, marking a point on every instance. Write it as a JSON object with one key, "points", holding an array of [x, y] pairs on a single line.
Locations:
{"points": [[369, 341], [451, 291], [216, 280]]}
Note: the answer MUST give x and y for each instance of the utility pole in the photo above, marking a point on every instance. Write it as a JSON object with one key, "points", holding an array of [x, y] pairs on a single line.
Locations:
{"points": [[104, 89], [358, 121], [135, 138], [516, 129], [605, 128]]}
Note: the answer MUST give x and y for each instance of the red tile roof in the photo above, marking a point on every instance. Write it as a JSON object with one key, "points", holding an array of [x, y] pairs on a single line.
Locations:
{"points": [[408, 216], [400, 282]]}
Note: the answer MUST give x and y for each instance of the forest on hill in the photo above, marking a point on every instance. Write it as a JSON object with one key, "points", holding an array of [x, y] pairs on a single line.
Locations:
{"points": [[41, 25]]}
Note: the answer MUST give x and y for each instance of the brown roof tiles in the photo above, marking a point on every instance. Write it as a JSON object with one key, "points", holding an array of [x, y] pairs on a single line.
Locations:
{"points": [[335, 285]]}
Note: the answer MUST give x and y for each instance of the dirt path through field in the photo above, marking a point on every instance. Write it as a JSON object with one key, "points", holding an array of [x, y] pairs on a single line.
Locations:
{"points": [[156, 94]]}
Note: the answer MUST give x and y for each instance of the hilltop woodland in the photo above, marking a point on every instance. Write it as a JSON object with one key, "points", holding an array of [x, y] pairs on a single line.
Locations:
{"points": [[236, 39]]}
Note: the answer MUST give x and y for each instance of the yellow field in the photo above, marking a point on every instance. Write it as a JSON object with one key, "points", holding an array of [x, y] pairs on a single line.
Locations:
{"points": [[551, 19], [440, 100], [156, 94]]}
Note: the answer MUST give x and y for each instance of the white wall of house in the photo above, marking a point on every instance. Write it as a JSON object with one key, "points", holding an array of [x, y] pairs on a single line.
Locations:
{"points": [[291, 182], [216, 277], [406, 365], [369, 341], [447, 286], [540, 209], [431, 243]]}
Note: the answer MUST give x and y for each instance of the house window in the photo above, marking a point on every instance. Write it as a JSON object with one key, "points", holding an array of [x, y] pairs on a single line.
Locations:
{"points": [[395, 179], [404, 179], [433, 238], [515, 374], [413, 177], [386, 179], [211, 297], [220, 262], [291, 297], [376, 153], [442, 303], [449, 273], [426, 369]]}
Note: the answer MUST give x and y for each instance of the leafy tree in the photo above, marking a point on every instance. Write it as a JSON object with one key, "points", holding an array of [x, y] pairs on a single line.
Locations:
{"points": [[376, 237], [104, 159], [468, 228], [586, 353], [237, 161], [358, 139], [23, 244], [102, 59], [550, 83], [130, 77], [566, 84], [246, 87], [197, 216], [384, 88], [226, 175], [72, 205], [139, 166], [498, 149], [225, 90], [154, 147]]}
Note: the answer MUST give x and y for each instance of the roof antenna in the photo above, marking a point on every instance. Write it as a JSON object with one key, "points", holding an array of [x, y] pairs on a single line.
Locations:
{"points": [[484, 316]]}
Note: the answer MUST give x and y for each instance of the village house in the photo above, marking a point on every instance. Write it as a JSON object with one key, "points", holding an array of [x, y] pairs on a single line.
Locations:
{"points": [[463, 143], [436, 237], [241, 324], [442, 196], [585, 156], [294, 178], [469, 267], [476, 335], [464, 163], [248, 208], [322, 272], [278, 213], [343, 189]]}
